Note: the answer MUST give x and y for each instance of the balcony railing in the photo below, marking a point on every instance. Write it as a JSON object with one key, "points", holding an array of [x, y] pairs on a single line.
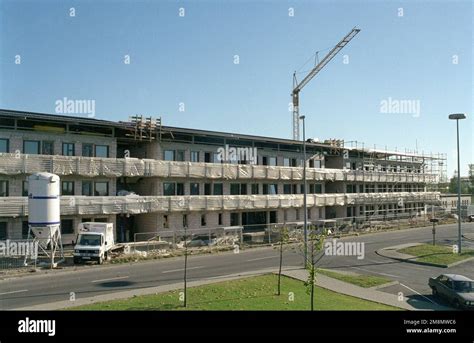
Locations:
{"points": [[77, 205], [14, 164]]}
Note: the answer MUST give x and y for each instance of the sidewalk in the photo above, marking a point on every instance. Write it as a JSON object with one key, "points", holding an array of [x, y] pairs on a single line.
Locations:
{"points": [[359, 292]]}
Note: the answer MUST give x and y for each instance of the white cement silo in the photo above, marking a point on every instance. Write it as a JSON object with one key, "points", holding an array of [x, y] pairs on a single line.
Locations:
{"points": [[43, 200], [44, 217]]}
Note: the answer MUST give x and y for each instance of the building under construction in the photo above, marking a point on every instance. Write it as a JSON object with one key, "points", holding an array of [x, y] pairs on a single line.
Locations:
{"points": [[146, 177]]}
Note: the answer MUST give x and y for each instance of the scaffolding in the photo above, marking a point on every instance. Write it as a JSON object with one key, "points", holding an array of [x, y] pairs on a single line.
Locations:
{"points": [[409, 161], [144, 128], [432, 163]]}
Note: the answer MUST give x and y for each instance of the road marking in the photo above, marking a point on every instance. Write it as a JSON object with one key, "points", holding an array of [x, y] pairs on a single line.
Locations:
{"points": [[179, 270], [114, 278], [260, 258], [19, 291], [411, 289], [370, 271]]}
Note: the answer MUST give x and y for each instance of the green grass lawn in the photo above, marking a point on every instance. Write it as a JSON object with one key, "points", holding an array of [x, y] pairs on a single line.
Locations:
{"points": [[365, 281], [440, 254], [254, 293]]}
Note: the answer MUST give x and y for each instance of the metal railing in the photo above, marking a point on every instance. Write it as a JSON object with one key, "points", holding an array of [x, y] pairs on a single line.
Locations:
{"points": [[264, 234], [16, 253], [196, 238]]}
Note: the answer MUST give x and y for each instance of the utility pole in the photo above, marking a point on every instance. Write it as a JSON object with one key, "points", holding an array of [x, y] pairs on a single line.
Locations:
{"points": [[305, 215], [185, 264], [457, 117], [434, 221]]}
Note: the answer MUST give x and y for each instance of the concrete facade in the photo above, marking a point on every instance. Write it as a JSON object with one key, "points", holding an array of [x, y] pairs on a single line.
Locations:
{"points": [[185, 147]]}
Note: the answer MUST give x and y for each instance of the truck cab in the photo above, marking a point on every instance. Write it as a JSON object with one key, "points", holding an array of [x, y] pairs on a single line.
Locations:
{"points": [[94, 242]]}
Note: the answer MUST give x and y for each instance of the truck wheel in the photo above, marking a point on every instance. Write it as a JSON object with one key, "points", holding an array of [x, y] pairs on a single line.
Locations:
{"points": [[76, 260]]}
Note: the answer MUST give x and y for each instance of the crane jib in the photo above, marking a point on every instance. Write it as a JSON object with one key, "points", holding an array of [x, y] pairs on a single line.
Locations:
{"points": [[298, 86], [326, 59]]}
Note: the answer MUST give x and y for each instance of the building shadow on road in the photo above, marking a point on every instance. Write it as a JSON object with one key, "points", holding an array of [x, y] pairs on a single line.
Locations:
{"points": [[427, 302]]}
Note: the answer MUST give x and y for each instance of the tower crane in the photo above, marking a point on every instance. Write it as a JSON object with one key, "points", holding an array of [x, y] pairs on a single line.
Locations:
{"points": [[298, 86]]}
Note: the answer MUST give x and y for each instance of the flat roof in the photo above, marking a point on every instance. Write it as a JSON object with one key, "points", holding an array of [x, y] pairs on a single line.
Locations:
{"points": [[241, 136], [58, 117], [128, 126]]}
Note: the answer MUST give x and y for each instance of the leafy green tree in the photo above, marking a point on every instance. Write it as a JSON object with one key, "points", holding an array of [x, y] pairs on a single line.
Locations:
{"points": [[315, 246], [453, 185], [471, 179]]}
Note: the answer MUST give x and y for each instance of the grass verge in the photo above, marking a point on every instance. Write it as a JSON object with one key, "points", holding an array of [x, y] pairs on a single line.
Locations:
{"points": [[365, 281], [253, 293], [438, 254]]}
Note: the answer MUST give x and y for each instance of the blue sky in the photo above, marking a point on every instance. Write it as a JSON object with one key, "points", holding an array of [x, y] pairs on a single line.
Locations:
{"points": [[190, 60]]}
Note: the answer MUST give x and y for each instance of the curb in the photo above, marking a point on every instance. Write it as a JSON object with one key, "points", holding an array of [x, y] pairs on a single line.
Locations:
{"points": [[460, 262], [412, 261]]}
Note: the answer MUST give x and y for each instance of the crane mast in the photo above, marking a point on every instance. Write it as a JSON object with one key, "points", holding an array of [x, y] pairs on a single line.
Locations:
{"points": [[298, 86]]}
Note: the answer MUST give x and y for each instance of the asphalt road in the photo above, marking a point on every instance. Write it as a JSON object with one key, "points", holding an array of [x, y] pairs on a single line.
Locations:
{"points": [[90, 281], [412, 278]]}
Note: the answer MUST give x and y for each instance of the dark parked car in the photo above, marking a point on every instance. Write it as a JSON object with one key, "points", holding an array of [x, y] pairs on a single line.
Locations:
{"points": [[457, 289]]}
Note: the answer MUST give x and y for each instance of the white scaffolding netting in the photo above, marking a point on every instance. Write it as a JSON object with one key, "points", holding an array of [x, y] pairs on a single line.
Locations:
{"points": [[70, 205], [15, 164]]}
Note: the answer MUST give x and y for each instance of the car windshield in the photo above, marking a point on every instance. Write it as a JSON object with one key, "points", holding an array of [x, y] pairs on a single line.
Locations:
{"points": [[464, 286], [89, 240]]}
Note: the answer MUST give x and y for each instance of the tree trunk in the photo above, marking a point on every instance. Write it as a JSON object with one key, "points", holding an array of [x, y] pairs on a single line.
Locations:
{"points": [[312, 292], [185, 267], [279, 270], [313, 273]]}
